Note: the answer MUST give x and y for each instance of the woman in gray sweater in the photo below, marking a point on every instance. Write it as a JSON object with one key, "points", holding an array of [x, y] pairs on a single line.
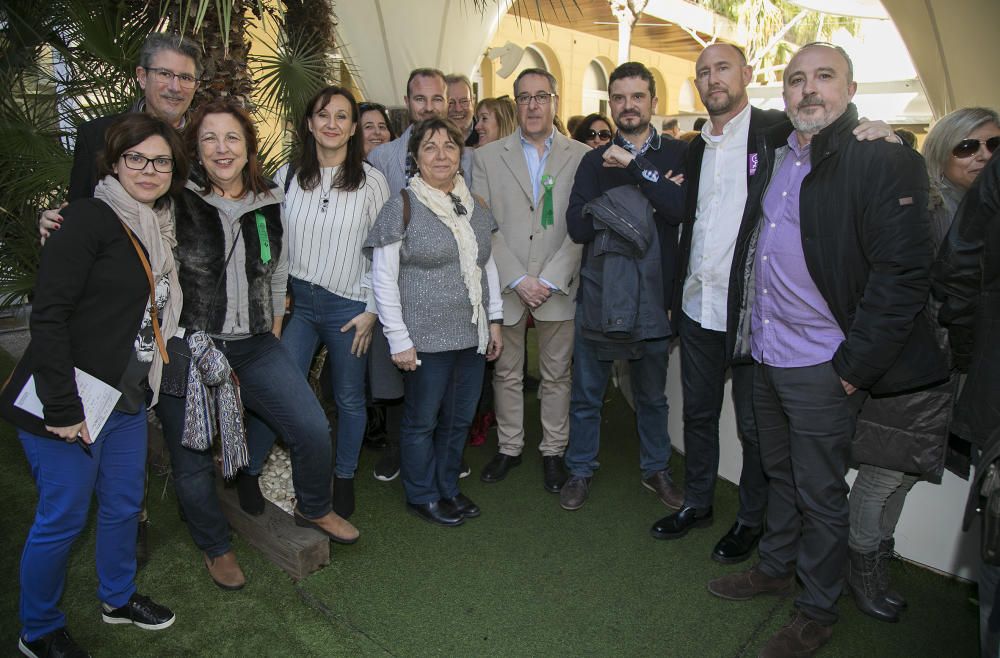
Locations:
{"points": [[438, 297]]}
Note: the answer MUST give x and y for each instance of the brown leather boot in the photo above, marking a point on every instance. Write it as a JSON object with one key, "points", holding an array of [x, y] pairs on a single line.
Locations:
{"points": [[331, 525], [744, 585], [225, 571], [798, 638]]}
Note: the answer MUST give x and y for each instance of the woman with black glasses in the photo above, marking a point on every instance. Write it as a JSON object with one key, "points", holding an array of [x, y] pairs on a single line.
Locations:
{"points": [[106, 282], [595, 130]]}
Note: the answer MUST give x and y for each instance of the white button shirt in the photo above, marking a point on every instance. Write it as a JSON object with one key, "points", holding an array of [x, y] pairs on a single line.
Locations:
{"points": [[722, 196]]}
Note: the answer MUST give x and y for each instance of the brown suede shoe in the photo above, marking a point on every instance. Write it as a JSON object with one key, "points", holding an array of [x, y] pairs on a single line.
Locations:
{"points": [[800, 637], [669, 493], [744, 585], [331, 525], [225, 571]]}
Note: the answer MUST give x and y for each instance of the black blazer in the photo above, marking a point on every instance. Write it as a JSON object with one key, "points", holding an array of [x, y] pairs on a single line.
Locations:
{"points": [[89, 145], [760, 121], [90, 296]]}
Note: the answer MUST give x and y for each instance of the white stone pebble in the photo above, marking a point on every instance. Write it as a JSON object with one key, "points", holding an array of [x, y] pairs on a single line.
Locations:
{"points": [[276, 479]]}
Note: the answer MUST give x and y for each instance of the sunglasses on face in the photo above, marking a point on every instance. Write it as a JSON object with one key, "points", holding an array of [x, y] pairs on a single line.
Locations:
{"points": [[594, 134], [969, 147]]}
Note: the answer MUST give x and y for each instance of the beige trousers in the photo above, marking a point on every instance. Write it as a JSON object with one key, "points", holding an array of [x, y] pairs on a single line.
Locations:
{"points": [[555, 352]]}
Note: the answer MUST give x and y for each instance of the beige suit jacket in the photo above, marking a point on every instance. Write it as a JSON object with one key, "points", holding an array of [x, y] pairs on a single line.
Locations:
{"points": [[521, 246]]}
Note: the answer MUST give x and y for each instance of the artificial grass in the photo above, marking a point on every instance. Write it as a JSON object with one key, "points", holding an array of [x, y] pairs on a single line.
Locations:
{"points": [[525, 579]]}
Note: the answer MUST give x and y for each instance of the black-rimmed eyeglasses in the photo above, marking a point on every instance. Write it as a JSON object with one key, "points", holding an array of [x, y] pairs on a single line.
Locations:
{"points": [[166, 76], [138, 162], [542, 98]]}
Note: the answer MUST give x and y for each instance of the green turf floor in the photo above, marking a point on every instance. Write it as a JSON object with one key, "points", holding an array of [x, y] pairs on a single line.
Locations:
{"points": [[525, 579]]}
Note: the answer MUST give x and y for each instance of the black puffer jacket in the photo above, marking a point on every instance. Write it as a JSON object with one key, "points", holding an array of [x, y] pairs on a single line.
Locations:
{"points": [[967, 281], [866, 240]]}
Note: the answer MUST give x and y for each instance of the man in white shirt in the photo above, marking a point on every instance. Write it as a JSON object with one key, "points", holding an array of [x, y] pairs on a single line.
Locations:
{"points": [[720, 169]]}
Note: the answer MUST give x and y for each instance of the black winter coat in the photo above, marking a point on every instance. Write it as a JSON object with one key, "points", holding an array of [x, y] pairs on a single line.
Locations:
{"points": [[866, 240], [966, 279]]}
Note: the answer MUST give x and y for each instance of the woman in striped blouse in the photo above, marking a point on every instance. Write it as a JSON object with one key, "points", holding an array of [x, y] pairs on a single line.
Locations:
{"points": [[331, 203]]}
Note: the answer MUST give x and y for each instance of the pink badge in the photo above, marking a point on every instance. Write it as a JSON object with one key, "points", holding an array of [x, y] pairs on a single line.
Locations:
{"points": [[752, 164]]}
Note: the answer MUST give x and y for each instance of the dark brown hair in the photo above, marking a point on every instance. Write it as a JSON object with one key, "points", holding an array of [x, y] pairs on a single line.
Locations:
{"points": [[253, 179], [430, 126], [134, 128], [351, 174]]}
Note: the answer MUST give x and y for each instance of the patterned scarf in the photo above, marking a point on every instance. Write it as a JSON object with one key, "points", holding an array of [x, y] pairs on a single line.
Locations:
{"points": [[155, 230], [213, 401], [455, 211]]}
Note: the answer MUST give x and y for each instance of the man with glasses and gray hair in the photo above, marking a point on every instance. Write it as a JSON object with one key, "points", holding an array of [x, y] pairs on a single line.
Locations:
{"points": [[462, 106], [526, 179]]}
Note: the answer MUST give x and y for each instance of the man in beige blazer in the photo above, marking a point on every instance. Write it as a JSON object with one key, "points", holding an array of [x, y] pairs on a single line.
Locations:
{"points": [[526, 180]]}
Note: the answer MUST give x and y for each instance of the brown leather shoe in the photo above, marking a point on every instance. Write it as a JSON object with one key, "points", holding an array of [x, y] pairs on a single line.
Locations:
{"points": [[669, 493], [225, 571], [744, 585], [800, 637], [331, 525]]}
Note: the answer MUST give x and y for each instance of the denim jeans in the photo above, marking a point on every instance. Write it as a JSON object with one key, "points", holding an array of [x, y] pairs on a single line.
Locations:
{"points": [[439, 403], [876, 501], [67, 479], [317, 318], [273, 390], [590, 379], [703, 377]]}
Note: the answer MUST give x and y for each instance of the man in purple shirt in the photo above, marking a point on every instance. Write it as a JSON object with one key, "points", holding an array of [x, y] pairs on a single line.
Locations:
{"points": [[835, 277]]}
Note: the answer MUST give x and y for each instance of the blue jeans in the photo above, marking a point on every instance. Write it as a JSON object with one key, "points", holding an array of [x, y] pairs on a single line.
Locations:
{"points": [[590, 379], [438, 405], [317, 318], [66, 479], [277, 399]]}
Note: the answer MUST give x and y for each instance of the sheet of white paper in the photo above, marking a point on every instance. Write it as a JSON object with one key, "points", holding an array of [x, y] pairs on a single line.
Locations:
{"points": [[99, 400]]}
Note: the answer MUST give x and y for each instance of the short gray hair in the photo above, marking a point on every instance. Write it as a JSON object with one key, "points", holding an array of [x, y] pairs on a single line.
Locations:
{"points": [[159, 41], [948, 131], [455, 78], [542, 72]]}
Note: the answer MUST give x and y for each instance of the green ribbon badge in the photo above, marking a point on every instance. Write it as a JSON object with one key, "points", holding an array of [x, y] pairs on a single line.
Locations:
{"points": [[265, 244], [548, 182]]}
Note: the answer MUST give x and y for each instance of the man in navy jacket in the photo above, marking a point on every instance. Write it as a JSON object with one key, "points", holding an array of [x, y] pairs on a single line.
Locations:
{"points": [[637, 157]]}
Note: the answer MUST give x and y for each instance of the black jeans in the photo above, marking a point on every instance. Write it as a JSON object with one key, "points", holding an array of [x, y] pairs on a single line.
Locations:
{"points": [[278, 399], [703, 377], [806, 422]]}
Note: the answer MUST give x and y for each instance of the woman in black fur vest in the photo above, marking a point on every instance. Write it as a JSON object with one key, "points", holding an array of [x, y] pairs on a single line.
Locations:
{"points": [[233, 271]]}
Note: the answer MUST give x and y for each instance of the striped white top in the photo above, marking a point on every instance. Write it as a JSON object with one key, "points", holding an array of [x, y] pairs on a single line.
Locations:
{"points": [[324, 246]]}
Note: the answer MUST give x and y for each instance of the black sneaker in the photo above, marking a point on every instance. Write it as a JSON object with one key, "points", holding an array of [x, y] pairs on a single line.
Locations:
{"points": [[57, 644], [387, 468], [141, 611]]}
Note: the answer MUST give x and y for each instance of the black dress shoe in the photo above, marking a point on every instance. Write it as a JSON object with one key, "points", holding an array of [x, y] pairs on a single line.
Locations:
{"points": [[461, 505], [497, 469], [436, 513], [249, 494], [555, 474], [737, 544], [677, 524]]}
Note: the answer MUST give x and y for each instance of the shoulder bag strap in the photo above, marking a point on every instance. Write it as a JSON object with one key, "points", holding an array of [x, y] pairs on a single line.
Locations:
{"points": [[153, 311], [406, 207]]}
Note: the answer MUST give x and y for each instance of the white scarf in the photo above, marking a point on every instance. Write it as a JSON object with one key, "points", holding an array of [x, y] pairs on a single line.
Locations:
{"points": [[155, 230], [441, 204]]}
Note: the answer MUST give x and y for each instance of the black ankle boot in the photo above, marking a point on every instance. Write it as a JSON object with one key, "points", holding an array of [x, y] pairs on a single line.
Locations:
{"points": [[248, 491], [343, 497], [862, 578], [885, 551]]}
